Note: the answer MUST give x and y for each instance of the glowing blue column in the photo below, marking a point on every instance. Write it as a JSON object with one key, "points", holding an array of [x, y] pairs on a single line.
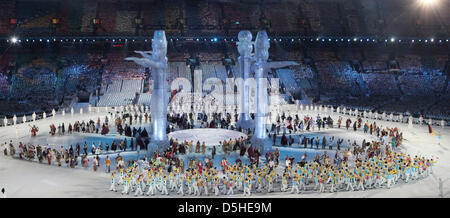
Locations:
{"points": [[157, 60], [245, 47], [158, 107], [262, 107]]}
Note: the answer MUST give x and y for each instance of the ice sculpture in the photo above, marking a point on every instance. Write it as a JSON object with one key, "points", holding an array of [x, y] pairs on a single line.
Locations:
{"points": [[262, 46], [245, 47], [157, 60]]}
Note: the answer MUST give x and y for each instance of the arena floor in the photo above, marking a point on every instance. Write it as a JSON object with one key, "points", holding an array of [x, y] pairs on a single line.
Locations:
{"points": [[30, 179]]}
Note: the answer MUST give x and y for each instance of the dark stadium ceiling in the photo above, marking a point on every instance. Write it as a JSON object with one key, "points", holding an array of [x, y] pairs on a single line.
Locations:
{"points": [[230, 1], [366, 3]]}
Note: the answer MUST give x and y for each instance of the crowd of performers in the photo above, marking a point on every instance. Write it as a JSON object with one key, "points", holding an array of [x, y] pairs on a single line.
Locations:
{"points": [[73, 155], [299, 126], [47, 154], [374, 164], [122, 122], [308, 123], [81, 127], [165, 174]]}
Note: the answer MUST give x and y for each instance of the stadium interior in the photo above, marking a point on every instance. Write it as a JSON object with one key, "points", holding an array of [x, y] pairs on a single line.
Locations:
{"points": [[360, 53]]}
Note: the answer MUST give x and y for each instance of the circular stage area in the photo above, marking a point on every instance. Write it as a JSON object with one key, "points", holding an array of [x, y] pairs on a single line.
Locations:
{"points": [[208, 135]]}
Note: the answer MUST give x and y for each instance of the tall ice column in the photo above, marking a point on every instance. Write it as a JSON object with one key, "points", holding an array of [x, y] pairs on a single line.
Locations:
{"points": [[245, 47], [157, 60], [262, 45]]}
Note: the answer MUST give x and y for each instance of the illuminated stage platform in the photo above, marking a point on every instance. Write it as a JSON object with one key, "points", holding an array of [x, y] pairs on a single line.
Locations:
{"points": [[208, 135]]}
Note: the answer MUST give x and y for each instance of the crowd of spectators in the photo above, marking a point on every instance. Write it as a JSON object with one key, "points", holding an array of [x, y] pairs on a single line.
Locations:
{"points": [[417, 86], [4, 84], [308, 17], [118, 68], [411, 83]]}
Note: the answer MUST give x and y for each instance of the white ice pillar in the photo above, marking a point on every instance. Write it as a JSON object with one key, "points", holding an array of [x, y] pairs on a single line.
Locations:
{"points": [[262, 107], [245, 47], [157, 60]]}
